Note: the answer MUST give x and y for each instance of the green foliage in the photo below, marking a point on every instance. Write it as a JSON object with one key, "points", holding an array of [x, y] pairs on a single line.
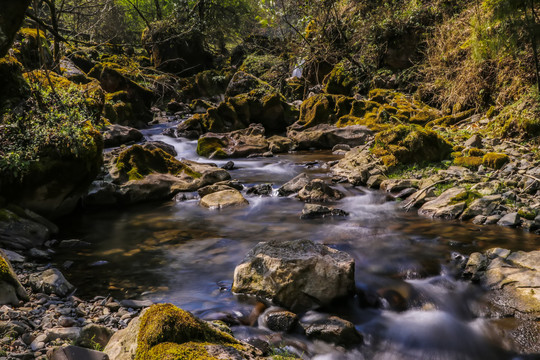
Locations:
{"points": [[52, 123]]}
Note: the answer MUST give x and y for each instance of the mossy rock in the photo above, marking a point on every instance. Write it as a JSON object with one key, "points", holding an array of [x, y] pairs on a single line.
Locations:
{"points": [[472, 162], [340, 81], [475, 152], [294, 89], [495, 160], [26, 48], [212, 82], [211, 147], [407, 144], [323, 109], [269, 68], [11, 18], [136, 162], [13, 88], [165, 326], [526, 213], [450, 120], [243, 83]]}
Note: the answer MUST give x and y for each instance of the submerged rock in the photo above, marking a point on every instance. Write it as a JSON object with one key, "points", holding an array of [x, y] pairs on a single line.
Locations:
{"points": [[224, 199], [331, 329], [298, 274]]}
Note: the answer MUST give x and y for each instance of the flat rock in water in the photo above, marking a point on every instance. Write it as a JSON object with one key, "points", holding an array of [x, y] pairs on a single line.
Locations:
{"points": [[297, 274], [224, 199], [331, 329], [261, 190]]}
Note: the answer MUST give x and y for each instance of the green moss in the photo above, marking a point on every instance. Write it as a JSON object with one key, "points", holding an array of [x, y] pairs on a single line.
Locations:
{"points": [[211, 147], [339, 81], [467, 196], [165, 323], [495, 160], [6, 274], [294, 89], [6, 215], [135, 162], [468, 161], [409, 144], [528, 214], [451, 119], [269, 68], [475, 152], [458, 148]]}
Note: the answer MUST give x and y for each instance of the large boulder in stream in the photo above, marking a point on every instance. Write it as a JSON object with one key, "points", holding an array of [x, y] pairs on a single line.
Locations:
{"points": [[358, 166], [297, 274], [224, 199], [319, 191], [149, 173], [116, 135]]}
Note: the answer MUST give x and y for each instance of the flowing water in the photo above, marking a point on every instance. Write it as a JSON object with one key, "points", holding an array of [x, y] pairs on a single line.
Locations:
{"points": [[182, 253]]}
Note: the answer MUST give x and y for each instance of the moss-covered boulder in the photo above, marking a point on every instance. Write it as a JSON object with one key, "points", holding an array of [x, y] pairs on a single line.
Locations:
{"points": [[238, 112], [340, 81], [495, 160], [323, 109], [211, 83], [13, 87], [149, 173], [11, 18], [32, 48], [269, 68], [408, 144], [22, 230], [240, 143], [243, 83], [174, 50], [127, 103], [11, 290]]}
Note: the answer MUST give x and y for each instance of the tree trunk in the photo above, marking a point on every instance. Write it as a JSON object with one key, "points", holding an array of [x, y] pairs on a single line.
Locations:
{"points": [[159, 14], [11, 18]]}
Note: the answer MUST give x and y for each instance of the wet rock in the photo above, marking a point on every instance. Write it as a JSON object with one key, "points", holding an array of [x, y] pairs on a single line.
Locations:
{"points": [[492, 219], [261, 190], [331, 329], [116, 135], [326, 136], [11, 290], [510, 220], [293, 186], [51, 281], [514, 278], [341, 149], [483, 206], [319, 191], [296, 274], [280, 144], [12, 256], [280, 320], [476, 265], [446, 206], [224, 199], [76, 353], [239, 143], [38, 254], [397, 185], [375, 181], [312, 211], [479, 219], [228, 166], [210, 189], [73, 244]]}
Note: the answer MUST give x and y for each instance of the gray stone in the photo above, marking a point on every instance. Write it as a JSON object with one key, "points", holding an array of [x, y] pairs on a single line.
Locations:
{"points": [[375, 181], [357, 166], [12, 256], [19, 233], [319, 191], [483, 206], [210, 189], [492, 219], [136, 304], [93, 334], [73, 244], [51, 281], [123, 344], [261, 190], [71, 333], [11, 290], [296, 274], [280, 320], [511, 220], [476, 263], [224, 199], [479, 219], [474, 141], [39, 254], [312, 211], [331, 329], [445, 206], [397, 185], [116, 135], [293, 186], [76, 353]]}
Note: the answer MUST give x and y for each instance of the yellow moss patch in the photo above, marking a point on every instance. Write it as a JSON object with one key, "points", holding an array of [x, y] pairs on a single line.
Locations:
{"points": [[165, 323], [475, 152], [468, 161], [495, 160], [211, 147], [135, 162]]}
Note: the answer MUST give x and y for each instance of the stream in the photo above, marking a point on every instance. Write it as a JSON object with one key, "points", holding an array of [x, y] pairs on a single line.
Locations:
{"points": [[179, 252]]}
